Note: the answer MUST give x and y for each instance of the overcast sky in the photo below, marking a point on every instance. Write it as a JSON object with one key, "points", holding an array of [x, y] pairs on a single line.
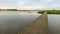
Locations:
{"points": [[30, 4]]}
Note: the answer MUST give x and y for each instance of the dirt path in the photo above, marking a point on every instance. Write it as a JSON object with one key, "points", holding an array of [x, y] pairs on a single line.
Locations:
{"points": [[38, 26]]}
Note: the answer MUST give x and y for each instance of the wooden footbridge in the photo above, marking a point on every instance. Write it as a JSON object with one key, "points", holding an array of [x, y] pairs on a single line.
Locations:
{"points": [[38, 26]]}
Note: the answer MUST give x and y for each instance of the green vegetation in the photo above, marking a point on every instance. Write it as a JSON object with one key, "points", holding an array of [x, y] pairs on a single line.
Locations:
{"points": [[50, 11]]}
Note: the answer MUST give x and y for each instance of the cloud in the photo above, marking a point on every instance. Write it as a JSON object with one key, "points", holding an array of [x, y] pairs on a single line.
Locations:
{"points": [[30, 4]]}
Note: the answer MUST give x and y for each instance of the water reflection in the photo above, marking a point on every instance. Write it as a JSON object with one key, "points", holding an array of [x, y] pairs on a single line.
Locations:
{"points": [[11, 23], [54, 24]]}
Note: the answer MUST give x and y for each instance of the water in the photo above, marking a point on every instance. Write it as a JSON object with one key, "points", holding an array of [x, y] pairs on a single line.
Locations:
{"points": [[12, 22], [54, 24]]}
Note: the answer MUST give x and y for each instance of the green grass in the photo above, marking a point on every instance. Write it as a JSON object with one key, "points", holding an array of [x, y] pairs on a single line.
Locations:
{"points": [[50, 11]]}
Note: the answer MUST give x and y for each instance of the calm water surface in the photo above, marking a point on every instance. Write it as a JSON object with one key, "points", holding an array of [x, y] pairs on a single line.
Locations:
{"points": [[54, 24], [12, 22]]}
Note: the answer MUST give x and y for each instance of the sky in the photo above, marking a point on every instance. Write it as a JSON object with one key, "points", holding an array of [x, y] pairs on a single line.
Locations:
{"points": [[30, 4]]}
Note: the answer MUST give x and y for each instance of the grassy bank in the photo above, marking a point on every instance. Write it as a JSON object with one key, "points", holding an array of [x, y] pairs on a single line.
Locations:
{"points": [[50, 11]]}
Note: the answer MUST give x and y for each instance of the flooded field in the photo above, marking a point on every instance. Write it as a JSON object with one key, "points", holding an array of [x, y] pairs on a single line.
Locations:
{"points": [[54, 23], [12, 22]]}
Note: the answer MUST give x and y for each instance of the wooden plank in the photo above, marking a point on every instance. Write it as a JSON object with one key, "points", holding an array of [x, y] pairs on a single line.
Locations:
{"points": [[38, 26]]}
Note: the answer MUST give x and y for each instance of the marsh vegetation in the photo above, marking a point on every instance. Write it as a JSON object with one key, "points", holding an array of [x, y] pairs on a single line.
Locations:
{"points": [[50, 11]]}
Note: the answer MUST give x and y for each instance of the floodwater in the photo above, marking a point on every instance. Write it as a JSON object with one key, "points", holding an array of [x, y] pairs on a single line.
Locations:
{"points": [[54, 23], [12, 22]]}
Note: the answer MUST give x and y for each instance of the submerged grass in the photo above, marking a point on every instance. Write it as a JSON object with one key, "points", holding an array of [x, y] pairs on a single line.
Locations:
{"points": [[50, 11]]}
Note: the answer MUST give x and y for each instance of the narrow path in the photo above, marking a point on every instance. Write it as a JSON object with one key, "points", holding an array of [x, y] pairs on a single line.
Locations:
{"points": [[38, 26]]}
